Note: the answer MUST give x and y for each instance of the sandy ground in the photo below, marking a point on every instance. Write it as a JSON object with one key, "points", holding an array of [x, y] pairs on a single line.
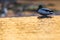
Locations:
{"points": [[30, 28]]}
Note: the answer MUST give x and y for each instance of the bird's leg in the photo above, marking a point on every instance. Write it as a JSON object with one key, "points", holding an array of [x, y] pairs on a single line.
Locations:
{"points": [[44, 16]]}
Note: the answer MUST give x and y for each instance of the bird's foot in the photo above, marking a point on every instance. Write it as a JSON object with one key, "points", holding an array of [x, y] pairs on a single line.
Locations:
{"points": [[44, 17]]}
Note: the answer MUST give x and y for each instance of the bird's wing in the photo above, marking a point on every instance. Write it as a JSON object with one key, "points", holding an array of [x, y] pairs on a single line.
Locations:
{"points": [[43, 12]]}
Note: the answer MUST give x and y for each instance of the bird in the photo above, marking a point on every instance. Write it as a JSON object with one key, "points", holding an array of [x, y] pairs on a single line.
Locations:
{"points": [[44, 11], [4, 12]]}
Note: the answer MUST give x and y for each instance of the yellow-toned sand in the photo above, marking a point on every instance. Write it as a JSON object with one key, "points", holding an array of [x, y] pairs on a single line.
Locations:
{"points": [[30, 28]]}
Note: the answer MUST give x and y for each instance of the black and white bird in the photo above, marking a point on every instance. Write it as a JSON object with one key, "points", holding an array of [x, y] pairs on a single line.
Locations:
{"points": [[44, 11]]}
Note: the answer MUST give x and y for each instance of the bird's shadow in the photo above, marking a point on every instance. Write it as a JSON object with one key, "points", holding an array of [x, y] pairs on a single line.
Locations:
{"points": [[41, 17]]}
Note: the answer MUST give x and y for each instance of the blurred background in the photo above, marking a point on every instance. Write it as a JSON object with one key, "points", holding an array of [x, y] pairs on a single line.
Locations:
{"points": [[20, 8]]}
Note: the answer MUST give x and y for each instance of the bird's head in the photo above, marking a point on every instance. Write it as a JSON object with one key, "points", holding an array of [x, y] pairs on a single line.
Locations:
{"points": [[40, 6]]}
